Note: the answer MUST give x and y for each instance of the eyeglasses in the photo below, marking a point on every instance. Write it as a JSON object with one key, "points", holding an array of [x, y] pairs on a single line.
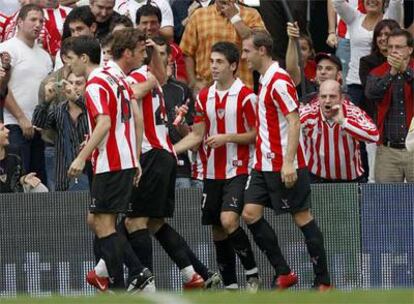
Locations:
{"points": [[397, 47]]}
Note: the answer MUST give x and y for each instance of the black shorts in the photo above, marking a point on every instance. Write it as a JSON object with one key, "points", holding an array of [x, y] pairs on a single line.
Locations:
{"points": [[222, 195], [111, 191], [267, 189], [155, 195]]}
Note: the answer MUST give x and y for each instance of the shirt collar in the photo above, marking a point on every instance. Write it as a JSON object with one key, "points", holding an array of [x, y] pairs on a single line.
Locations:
{"points": [[264, 79], [233, 90]]}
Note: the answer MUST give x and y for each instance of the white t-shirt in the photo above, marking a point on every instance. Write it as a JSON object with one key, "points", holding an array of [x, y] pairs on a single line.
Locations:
{"points": [[130, 7], [29, 67]]}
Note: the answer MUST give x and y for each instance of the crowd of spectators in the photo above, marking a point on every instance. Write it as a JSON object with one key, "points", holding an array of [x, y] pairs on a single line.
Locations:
{"points": [[360, 132]]}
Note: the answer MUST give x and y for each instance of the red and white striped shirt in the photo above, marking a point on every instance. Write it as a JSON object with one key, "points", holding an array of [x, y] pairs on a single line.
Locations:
{"points": [[277, 98], [333, 150], [108, 93], [155, 116], [232, 114]]}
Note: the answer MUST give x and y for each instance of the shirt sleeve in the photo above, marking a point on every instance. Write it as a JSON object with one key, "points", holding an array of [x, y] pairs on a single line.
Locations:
{"points": [[345, 11], [249, 113], [167, 15], [254, 20], [285, 97], [96, 100], [200, 114], [189, 40]]}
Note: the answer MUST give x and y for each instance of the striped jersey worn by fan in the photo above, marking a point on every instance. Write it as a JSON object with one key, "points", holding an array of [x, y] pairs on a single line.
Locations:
{"points": [[108, 93], [333, 150], [277, 98], [230, 114], [153, 109]]}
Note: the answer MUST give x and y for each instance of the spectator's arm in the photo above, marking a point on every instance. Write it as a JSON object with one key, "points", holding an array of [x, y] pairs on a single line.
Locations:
{"points": [[345, 11], [292, 60], [395, 11], [361, 127], [377, 86], [332, 39], [71, 3]]}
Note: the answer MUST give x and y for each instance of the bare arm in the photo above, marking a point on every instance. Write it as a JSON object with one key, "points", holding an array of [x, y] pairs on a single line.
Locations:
{"points": [[167, 32], [292, 60], [193, 139], [331, 40], [139, 124], [288, 172], [71, 3], [156, 64], [219, 140]]}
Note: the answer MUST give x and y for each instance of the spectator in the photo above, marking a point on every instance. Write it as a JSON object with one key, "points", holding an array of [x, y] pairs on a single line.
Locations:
{"points": [[104, 13], [391, 86], [120, 23], [332, 128], [4, 79], [12, 176], [176, 94], [130, 8], [377, 57], [338, 35], [106, 46], [30, 65], [69, 120], [149, 21], [222, 21], [360, 28], [79, 22], [182, 11]]}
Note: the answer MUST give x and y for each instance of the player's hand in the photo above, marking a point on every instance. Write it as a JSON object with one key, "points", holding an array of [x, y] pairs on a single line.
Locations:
{"points": [[293, 31], [288, 174], [216, 141], [76, 168], [138, 175], [27, 127], [31, 179]]}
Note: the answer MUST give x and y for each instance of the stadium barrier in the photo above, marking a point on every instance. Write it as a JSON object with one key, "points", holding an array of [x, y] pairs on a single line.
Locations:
{"points": [[46, 247]]}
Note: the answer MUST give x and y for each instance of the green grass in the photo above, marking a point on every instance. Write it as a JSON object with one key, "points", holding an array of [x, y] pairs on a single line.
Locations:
{"points": [[401, 296]]}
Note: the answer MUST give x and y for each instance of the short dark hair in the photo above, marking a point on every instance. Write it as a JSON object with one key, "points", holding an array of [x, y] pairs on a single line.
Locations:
{"points": [[120, 19], [82, 14], [25, 9], [66, 46], [401, 32], [148, 10], [107, 40], [160, 40], [229, 50], [86, 45], [390, 23], [125, 39], [262, 38]]}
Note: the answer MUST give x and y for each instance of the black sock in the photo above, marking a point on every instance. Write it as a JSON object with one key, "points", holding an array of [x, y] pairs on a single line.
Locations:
{"points": [[243, 249], [96, 249], [141, 243], [316, 250], [266, 239], [226, 261], [170, 241], [111, 248], [199, 267]]}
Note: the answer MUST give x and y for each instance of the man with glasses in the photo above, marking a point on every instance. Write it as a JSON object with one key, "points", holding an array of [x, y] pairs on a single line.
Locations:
{"points": [[391, 86]]}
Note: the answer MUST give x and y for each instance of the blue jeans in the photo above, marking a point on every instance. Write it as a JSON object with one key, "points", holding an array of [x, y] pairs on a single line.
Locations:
{"points": [[31, 150], [343, 52], [50, 165]]}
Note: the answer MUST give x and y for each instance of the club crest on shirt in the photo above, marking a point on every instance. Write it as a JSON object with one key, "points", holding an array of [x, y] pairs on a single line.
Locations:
{"points": [[220, 113]]}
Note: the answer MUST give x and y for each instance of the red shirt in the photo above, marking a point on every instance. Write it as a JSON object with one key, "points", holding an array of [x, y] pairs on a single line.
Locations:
{"points": [[108, 93], [277, 98], [233, 113]]}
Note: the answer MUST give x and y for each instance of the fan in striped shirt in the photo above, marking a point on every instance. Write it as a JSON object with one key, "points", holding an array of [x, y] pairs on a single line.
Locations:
{"points": [[333, 128]]}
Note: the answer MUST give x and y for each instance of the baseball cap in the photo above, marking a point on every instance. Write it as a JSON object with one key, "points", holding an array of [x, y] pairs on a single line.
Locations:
{"points": [[330, 57]]}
